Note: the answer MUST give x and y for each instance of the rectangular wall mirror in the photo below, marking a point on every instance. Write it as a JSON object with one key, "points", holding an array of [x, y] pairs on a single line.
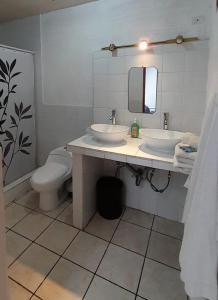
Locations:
{"points": [[143, 90]]}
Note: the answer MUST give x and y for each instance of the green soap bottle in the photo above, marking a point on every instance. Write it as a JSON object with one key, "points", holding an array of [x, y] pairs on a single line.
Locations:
{"points": [[135, 129]]}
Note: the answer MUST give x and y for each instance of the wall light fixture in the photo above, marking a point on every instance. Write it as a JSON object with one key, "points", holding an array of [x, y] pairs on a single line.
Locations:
{"points": [[143, 45]]}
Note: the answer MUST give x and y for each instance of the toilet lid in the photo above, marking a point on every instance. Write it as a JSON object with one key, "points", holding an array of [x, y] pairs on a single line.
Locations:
{"points": [[50, 172]]}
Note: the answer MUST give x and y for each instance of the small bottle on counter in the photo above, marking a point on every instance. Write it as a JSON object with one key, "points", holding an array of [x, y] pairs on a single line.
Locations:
{"points": [[135, 129]]}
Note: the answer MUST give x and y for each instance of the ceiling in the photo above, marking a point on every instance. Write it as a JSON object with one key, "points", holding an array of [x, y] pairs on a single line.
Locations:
{"points": [[16, 9]]}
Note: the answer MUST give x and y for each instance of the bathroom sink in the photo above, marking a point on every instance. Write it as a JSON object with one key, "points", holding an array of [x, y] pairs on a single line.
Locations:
{"points": [[160, 140], [109, 133]]}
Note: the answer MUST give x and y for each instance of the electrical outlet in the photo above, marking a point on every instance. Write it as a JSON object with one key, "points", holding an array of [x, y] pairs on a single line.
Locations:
{"points": [[197, 20]]}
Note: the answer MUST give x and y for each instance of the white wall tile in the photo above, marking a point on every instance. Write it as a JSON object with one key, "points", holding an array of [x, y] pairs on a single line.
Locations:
{"points": [[196, 61], [194, 102], [174, 62], [173, 82], [101, 66], [117, 83], [172, 102], [195, 81], [192, 122], [116, 65]]}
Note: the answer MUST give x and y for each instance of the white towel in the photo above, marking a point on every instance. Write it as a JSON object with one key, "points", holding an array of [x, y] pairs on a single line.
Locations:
{"points": [[181, 164], [191, 139], [198, 256], [183, 160], [179, 153]]}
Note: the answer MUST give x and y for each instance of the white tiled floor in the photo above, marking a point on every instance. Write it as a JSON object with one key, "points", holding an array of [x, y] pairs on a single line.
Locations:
{"points": [[131, 258]]}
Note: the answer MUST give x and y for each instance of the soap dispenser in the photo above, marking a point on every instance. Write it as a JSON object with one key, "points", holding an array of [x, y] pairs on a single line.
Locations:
{"points": [[135, 129]]}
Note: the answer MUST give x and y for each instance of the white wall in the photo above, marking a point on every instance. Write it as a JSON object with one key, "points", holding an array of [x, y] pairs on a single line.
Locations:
{"points": [[56, 125], [213, 56], [181, 91], [71, 36], [182, 69]]}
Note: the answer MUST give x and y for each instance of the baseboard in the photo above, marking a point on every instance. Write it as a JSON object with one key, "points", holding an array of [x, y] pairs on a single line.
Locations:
{"points": [[17, 189]]}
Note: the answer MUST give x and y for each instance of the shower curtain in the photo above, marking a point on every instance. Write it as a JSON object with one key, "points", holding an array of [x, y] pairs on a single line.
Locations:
{"points": [[17, 116]]}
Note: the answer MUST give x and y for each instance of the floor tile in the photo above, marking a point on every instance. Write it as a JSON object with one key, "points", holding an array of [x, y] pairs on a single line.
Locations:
{"points": [[32, 225], [164, 249], [67, 215], [102, 289], [86, 250], [101, 227], [14, 213], [16, 244], [160, 282], [57, 237], [17, 292], [121, 267], [32, 266], [138, 217], [165, 226], [30, 200], [67, 281], [132, 237]]}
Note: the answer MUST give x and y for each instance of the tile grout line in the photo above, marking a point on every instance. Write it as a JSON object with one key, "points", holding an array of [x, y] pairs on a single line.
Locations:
{"points": [[109, 243], [60, 256], [122, 220], [25, 288], [54, 220], [144, 259], [32, 242], [28, 213]]}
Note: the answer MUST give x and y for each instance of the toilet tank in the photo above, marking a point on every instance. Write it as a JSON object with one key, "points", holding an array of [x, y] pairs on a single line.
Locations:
{"points": [[60, 155]]}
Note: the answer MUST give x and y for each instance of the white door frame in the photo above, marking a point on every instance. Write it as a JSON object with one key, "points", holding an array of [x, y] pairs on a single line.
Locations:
{"points": [[4, 295]]}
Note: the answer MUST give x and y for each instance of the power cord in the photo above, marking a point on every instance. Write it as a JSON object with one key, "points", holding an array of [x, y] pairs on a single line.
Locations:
{"points": [[149, 176]]}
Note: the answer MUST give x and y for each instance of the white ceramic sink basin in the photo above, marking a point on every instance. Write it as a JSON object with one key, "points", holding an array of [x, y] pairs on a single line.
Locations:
{"points": [[161, 140], [109, 133]]}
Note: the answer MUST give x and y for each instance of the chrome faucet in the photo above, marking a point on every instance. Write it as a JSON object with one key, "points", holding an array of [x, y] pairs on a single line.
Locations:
{"points": [[113, 117], [166, 121]]}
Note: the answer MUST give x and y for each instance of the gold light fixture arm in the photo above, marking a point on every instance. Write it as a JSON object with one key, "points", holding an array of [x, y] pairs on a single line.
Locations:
{"points": [[178, 40]]}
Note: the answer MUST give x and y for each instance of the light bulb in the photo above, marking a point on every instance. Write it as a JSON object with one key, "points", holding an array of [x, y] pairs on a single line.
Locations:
{"points": [[143, 45]]}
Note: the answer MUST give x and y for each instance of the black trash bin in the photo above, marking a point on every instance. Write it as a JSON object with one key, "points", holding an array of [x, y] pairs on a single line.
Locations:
{"points": [[110, 197]]}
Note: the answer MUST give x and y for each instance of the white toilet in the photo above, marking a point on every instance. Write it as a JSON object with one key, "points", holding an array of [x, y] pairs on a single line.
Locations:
{"points": [[48, 180]]}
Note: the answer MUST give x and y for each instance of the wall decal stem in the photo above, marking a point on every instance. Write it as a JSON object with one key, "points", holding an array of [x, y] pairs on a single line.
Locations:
{"points": [[12, 138]]}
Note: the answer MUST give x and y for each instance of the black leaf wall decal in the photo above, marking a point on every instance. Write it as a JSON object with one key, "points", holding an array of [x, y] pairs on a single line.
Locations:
{"points": [[13, 65], [9, 135], [15, 74], [26, 109], [7, 149], [27, 117], [12, 139], [16, 110], [20, 139], [2, 75], [8, 67], [3, 67]]}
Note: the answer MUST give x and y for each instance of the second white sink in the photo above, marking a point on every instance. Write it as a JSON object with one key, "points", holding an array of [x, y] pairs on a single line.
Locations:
{"points": [[161, 140], [109, 133]]}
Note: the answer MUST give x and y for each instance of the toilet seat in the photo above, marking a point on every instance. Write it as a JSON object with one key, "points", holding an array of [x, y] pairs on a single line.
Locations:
{"points": [[49, 175]]}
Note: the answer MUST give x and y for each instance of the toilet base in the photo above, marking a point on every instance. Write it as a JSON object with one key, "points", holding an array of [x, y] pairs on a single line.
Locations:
{"points": [[48, 200]]}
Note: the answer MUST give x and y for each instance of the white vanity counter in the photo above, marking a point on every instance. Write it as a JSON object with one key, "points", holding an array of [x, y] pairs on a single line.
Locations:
{"points": [[88, 166], [128, 152]]}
